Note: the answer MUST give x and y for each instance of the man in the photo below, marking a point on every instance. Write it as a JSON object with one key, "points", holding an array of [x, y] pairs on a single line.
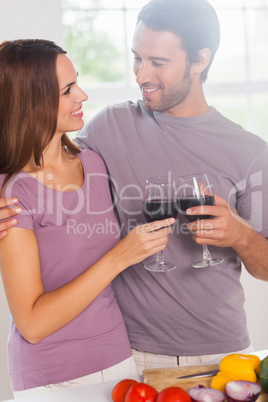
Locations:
{"points": [[186, 316]]}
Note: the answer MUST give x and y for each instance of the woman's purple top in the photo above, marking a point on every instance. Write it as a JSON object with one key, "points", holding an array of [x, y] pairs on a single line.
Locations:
{"points": [[73, 229]]}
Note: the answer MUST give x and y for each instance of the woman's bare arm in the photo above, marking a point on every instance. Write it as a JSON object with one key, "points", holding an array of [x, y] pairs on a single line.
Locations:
{"points": [[38, 314]]}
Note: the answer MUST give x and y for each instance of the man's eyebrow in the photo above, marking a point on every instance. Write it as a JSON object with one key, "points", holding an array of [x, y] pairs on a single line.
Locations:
{"points": [[163, 59]]}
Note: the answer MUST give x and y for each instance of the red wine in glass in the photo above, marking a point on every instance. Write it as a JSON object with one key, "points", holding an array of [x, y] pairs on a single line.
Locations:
{"points": [[156, 210], [159, 203], [189, 202], [196, 190]]}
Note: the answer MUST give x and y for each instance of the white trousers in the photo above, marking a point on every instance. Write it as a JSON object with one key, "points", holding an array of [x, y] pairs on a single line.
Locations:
{"points": [[145, 360], [124, 369]]}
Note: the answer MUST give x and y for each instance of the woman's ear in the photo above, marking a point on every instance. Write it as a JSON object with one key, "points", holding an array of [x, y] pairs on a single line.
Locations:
{"points": [[204, 59]]}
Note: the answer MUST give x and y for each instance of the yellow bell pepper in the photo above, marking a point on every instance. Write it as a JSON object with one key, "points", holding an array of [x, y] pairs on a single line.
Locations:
{"points": [[235, 367]]}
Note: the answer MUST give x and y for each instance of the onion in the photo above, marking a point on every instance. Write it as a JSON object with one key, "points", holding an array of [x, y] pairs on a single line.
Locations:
{"points": [[242, 391], [203, 394]]}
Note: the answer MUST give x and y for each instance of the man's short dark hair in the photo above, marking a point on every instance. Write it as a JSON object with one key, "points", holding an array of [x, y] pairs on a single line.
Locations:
{"points": [[194, 21]]}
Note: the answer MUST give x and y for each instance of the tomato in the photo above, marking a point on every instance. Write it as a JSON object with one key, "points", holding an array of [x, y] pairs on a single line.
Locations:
{"points": [[141, 392], [173, 394], [120, 389]]}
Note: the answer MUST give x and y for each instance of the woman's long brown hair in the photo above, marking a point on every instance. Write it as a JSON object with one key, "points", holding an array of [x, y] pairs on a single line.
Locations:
{"points": [[29, 102]]}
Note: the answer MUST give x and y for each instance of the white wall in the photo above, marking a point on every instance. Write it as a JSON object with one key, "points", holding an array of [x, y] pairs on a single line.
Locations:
{"points": [[24, 19], [31, 19], [5, 390], [256, 306]]}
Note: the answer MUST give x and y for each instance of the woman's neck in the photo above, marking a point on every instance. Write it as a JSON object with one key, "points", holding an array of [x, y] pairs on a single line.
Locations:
{"points": [[54, 156], [60, 168]]}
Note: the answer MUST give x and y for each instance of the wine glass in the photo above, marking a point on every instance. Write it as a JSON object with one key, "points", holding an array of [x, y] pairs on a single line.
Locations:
{"points": [[159, 203], [195, 190]]}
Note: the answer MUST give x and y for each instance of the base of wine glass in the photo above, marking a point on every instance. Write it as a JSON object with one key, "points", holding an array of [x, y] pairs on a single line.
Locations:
{"points": [[154, 266], [208, 263]]}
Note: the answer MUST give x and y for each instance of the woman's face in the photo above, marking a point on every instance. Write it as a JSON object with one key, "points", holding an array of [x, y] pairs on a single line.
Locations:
{"points": [[70, 115]]}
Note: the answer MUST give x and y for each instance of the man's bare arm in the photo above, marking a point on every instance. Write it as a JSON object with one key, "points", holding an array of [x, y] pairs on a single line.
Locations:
{"points": [[228, 229]]}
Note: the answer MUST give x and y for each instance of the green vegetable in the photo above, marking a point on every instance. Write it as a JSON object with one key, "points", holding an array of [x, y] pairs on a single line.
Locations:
{"points": [[263, 374]]}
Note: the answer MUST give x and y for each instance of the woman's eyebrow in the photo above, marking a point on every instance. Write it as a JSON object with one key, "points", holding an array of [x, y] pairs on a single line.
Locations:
{"points": [[67, 86]]}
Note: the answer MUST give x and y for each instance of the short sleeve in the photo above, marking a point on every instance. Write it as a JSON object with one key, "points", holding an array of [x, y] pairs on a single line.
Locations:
{"points": [[252, 201]]}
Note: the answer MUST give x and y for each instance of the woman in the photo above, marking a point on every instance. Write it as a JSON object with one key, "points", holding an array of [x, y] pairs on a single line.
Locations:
{"points": [[66, 326]]}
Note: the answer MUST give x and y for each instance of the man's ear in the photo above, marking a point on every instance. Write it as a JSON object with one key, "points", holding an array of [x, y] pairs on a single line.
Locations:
{"points": [[204, 59]]}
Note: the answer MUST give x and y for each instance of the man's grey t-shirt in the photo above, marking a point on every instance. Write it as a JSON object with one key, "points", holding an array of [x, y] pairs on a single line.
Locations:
{"points": [[186, 311]]}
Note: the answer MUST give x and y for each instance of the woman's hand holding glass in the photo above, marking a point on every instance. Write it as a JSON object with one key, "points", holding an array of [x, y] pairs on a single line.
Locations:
{"points": [[160, 202], [142, 242]]}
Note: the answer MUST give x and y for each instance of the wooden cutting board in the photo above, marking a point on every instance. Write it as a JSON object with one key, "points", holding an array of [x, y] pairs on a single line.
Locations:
{"points": [[167, 377]]}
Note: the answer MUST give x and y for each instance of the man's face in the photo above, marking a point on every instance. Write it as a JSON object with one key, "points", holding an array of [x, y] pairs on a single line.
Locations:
{"points": [[162, 70]]}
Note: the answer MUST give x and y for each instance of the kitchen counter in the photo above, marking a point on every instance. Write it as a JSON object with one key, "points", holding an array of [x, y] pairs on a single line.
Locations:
{"points": [[91, 393]]}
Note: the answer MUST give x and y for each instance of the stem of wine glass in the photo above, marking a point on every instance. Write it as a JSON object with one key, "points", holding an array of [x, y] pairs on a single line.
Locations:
{"points": [[160, 257], [206, 253]]}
